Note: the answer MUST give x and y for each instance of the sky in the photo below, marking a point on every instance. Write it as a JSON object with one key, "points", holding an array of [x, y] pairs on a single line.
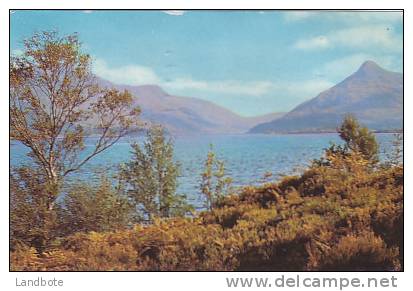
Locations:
{"points": [[251, 62]]}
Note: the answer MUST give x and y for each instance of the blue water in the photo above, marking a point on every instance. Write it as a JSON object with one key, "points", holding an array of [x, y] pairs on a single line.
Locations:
{"points": [[247, 157]]}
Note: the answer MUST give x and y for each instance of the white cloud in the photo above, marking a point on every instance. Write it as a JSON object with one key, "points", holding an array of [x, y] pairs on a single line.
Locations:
{"points": [[127, 75], [299, 88], [87, 11], [252, 88], [352, 18], [378, 36], [319, 42], [175, 12], [140, 75], [368, 36], [362, 29]]}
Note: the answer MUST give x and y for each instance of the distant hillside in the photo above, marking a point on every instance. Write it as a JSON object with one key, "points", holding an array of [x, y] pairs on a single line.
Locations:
{"points": [[373, 94], [186, 115]]}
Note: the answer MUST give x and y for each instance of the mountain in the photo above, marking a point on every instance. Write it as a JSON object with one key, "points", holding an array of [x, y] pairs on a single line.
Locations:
{"points": [[372, 94], [186, 115]]}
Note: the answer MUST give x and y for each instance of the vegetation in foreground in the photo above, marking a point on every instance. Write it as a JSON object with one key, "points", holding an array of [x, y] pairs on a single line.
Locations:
{"points": [[345, 212], [333, 217]]}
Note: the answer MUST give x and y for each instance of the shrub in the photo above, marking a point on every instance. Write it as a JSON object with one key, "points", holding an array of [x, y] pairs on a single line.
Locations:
{"points": [[85, 209], [33, 220], [214, 182], [359, 139], [361, 252], [24, 258], [150, 178]]}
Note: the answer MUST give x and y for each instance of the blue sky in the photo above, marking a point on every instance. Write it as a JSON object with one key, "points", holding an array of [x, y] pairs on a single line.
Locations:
{"points": [[252, 62]]}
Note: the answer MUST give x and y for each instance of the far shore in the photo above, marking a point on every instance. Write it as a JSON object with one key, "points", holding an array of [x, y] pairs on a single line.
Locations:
{"points": [[393, 131]]}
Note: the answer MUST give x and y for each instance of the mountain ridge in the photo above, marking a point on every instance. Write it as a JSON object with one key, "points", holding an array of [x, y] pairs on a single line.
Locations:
{"points": [[373, 94], [187, 115]]}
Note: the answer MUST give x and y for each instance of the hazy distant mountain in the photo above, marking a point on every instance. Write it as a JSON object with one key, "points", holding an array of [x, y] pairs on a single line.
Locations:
{"points": [[186, 115], [373, 94]]}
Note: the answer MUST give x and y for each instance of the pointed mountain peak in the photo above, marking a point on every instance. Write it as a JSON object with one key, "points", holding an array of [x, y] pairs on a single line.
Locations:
{"points": [[370, 66]]}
